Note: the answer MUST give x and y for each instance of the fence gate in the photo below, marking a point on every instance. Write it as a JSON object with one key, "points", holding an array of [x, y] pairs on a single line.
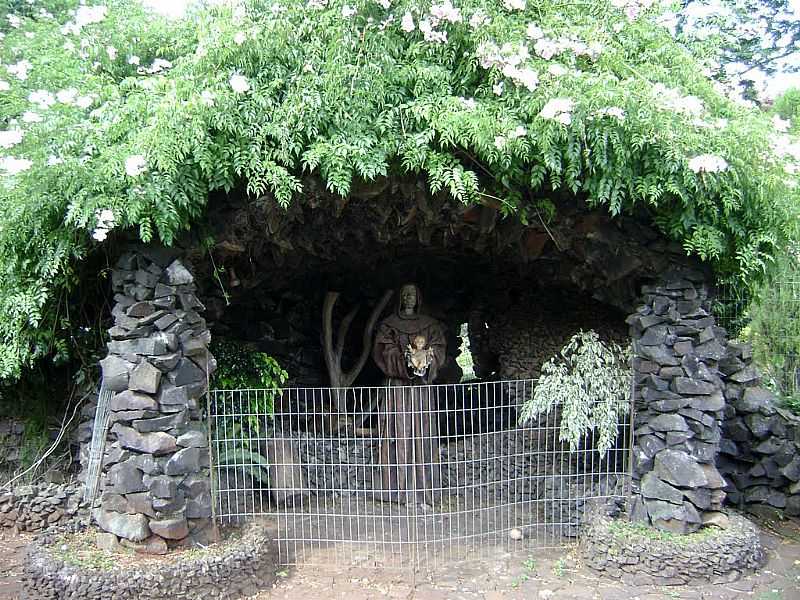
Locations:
{"points": [[404, 478]]}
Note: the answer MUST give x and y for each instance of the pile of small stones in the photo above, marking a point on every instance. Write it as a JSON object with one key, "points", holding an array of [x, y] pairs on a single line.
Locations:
{"points": [[155, 485], [42, 507], [719, 556], [680, 402], [237, 569]]}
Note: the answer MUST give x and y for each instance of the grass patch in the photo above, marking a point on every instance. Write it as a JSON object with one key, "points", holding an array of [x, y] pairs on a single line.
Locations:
{"points": [[79, 550], [625, 530]]}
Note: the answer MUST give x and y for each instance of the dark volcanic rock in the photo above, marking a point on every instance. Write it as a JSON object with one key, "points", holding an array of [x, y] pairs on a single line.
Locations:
{"points": [[678, 468]]}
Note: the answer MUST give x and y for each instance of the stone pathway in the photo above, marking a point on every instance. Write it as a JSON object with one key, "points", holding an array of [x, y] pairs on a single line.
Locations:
{"points": [[554, 575]]}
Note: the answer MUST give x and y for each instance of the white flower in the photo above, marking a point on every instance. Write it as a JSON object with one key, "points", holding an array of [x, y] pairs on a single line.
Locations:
{"points": [[478, 19], [499, 142], [100, 234], [431, 35], [446, 12], [498, 88], [134, 60], [594, 50], [105, 217], [527, 77], [239, 83], [31, 117], [43, 98], [12, 165], [556, 70], [693, 105], [564, 118], [66, 96], [386, 4], [20, 69], [4, 86], [10, 138], [612, 111], [112, 52], [241, 37], [159, 65], [469, 103], [53, 160], [534, 31], [514, 54], [673, 99], [779, 124], [546, 48], [556, 107], [135, 165], [207, 98], [708, 163], [519, 132], [407, 22], [14, 21], [317, 4], [308, 68], [348, 11], [84, 101], [87, 15], [514, 4], [784, 146]]}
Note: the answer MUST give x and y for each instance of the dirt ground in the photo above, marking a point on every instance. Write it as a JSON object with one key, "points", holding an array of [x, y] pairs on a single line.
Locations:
{"points": [[538, 574]]}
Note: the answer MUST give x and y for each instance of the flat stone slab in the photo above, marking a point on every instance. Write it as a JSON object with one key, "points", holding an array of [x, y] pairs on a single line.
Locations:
{"points": [[151, 443], [678, 468]]}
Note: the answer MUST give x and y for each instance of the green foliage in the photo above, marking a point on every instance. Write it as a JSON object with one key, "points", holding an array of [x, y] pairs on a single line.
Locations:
{"points": [[251, 462], [590, 384], [787, 106], [260, 94], [774, 330], [242, 366], [253, 378]]}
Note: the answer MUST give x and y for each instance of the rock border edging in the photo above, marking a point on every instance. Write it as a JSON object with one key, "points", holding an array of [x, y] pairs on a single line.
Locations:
{"points": [[241, 569], [641, 560]]}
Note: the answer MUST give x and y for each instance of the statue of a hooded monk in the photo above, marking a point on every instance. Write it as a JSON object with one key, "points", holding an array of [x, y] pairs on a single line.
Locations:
{"points": [[409, 348]]}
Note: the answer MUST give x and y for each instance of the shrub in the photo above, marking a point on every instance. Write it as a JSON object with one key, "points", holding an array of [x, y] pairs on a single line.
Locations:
{"points": [[590, 383]]}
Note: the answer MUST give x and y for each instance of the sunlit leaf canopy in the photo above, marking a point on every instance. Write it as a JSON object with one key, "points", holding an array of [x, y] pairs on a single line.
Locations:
{"points": [[115, 118]]}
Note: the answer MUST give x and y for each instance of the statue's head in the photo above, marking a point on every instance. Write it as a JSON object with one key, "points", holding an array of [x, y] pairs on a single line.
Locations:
{"points": [[409, 298]]}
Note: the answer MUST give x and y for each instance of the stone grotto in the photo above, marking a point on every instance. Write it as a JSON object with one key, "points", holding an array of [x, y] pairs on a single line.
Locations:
{"points": [[704, 430]]}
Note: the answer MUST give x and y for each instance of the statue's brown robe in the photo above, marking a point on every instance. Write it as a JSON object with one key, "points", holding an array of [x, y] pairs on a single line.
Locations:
{"points": [[409, 432]]}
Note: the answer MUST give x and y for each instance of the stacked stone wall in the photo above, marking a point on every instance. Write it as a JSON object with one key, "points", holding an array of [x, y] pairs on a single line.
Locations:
{"points": [[156, 485], [679, 404], [42, 507], [760, 448]]}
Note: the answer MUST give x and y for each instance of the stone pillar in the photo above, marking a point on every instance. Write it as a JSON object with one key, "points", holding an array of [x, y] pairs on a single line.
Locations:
{"points": [[157, 485], [679, 404]]}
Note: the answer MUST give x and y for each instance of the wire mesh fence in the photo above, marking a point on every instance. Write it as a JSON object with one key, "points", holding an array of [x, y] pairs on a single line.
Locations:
{"points": [[771, 323], [407, 476]]}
